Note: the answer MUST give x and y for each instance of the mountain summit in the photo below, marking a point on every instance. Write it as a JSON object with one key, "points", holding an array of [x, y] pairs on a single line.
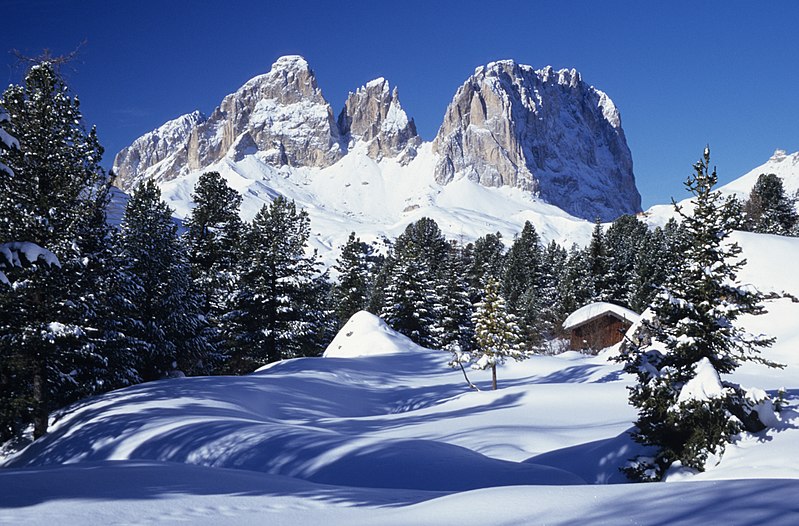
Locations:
{"points": [[544, 132]]}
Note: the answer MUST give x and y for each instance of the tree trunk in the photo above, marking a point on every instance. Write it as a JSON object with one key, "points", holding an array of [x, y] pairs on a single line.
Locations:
{"points": [[494, 377], [40, 413], [468, 382]]}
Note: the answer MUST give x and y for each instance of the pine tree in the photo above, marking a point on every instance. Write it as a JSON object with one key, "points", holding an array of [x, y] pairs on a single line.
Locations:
{"points": [[624, 239], [213, 239], [411, 295], [172, 329], [552, 310], [49, 190], [694, 319], [277, 314], [213, 232], [487, 261], [521, 285], [353, 289], [454, 330], [769, 210], [496, 332], [598, 263], [576, 287]]}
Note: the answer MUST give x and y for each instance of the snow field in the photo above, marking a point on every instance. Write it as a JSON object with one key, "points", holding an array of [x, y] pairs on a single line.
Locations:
{"points": [[381, 431]]}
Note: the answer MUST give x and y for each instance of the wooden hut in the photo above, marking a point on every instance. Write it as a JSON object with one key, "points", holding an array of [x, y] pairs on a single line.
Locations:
{"points": [[598, 325]]}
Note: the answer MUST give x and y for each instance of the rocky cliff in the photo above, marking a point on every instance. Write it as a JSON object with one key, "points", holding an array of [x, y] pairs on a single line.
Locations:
{"points": [[544, 131], [284, 117], [162, 151], [373, 114]]}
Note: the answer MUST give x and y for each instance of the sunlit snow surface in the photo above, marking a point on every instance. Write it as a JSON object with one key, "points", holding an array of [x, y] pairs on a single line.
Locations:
{"points": [[381, 431], [377, 199]]}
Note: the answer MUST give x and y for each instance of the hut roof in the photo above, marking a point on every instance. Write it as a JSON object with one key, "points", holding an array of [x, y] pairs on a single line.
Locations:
{"points": [[593, 311]]}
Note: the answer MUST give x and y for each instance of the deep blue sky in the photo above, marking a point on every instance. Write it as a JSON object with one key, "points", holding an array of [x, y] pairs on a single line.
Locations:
{"points": [[682, 73]]}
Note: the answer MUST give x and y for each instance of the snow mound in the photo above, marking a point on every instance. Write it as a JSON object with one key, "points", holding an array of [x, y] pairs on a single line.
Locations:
{"points": [[706, 383], [367, 335]]}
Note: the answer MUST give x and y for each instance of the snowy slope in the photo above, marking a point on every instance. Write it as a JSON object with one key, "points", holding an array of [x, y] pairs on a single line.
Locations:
{"points": [[376, 199], [782, 164], [382, 431]]}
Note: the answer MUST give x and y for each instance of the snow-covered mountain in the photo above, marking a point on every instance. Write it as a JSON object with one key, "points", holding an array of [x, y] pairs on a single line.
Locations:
{"points": [[517, 144], [782, 164], [545, 131]]}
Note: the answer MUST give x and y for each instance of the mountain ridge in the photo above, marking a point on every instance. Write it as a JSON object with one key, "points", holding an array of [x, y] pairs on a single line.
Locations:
{"points": [[283, 116]]}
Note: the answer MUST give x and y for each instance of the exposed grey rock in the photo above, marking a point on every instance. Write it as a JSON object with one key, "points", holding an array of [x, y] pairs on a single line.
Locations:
{"points": [[163, 149], [544, 131], [281, 111], [373, 114], [281, 114]]}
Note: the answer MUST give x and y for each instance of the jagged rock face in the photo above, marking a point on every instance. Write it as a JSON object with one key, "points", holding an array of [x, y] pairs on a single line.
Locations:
{"points": [[283, 117], [163, 150], [281, 114], [544, 131], [373, 114], [281, 111]]}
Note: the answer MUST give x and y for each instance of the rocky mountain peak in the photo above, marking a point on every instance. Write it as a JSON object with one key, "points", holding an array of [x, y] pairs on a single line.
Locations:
{"points": [[373, 114], [545, 131], [163, 149]]}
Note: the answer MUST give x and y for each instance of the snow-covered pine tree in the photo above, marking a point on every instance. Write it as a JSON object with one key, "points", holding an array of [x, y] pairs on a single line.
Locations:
{"points": [[106, 284], [48, 195], [552, 271], [411, 301], [623, 239], [685, 410], [496, 332], [272, 321], [213, 238], [172, 329], [213, 232], [657, 257], [454, 330], [353, 288], [487, 261], [521, 284], [598, 262], [576, 286], [769, 210]]}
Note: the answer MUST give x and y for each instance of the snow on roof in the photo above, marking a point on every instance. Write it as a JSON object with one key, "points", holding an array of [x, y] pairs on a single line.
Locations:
{"points": [[594, 310]]}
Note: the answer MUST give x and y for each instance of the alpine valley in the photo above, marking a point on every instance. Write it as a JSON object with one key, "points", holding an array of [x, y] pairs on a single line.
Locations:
{"points": [[516, 144]]}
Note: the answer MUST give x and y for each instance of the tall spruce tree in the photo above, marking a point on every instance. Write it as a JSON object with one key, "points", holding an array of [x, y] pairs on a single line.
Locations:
{"points": [[496, 332], [598, 263], [624, 239], [411, 296], [552, 311], [487, 261], [172, 328], [685, 411], [213, 239], [454, 330], [277, 306], [353, 288], [576, 287], [521, 285], [213, 232], [48, 195], [769, 210]]}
